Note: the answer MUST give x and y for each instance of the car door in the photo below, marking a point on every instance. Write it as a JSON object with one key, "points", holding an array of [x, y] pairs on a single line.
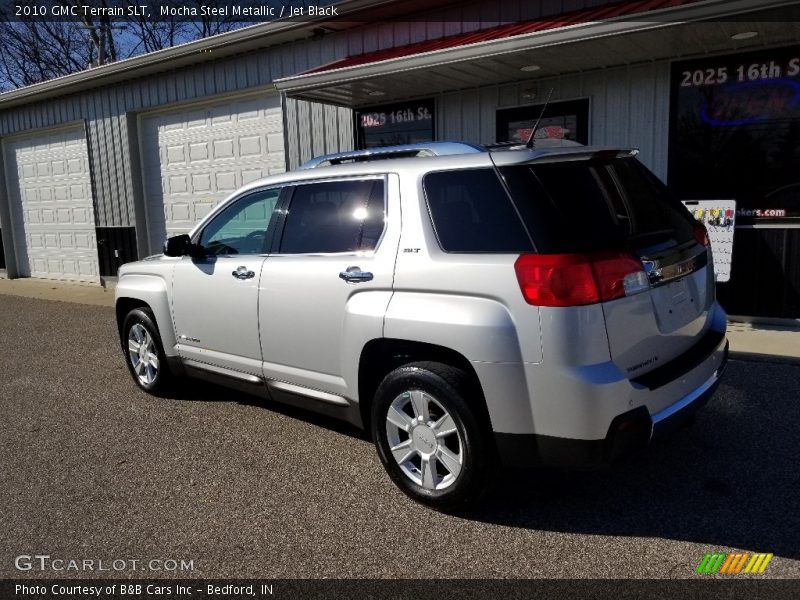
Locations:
{"points": [[215, 297], [326, 287]]}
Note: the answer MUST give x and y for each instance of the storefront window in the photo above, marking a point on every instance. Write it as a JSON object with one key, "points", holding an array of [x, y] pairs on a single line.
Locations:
{"points": [[569, 119], [393, 124], [735, 133]]}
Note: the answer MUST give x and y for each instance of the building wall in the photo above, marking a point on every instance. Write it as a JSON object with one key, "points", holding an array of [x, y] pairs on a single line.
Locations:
{"points": [[629, 107], [310, 128], [106, 111]]}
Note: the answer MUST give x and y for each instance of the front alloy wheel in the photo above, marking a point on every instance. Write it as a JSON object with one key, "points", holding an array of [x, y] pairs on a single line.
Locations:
{"points": [[143, 351], [143, 354]]}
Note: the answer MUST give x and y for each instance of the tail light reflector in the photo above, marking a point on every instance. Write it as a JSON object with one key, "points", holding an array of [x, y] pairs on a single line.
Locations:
{"points": [[579, 279], [701, 234]]}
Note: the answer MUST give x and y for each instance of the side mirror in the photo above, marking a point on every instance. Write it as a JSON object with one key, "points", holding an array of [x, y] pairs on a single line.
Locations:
{"points": [[179, 245]]}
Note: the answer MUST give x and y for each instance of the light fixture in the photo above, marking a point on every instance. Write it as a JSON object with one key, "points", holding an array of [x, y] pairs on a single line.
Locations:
{"points": [[744, 35], [530, 68], [376, 93]]}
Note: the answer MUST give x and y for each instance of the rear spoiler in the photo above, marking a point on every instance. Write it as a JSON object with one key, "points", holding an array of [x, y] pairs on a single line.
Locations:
{"points": [[559, 154]]}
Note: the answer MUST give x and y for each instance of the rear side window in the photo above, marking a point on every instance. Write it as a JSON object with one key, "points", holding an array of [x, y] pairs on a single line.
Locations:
{"points": [[471, 212], [334, 216], [598, 204]]}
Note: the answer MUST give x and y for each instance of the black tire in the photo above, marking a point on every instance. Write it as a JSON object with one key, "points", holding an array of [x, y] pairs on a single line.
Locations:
{"points": [[449, 388], [162, 379]]}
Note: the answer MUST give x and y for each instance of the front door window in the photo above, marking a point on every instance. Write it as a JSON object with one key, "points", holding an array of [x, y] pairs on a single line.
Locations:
{"points": [[242, 227]]}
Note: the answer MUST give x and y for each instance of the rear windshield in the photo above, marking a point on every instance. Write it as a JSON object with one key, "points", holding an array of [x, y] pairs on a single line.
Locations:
{"points": [[597, 204]]}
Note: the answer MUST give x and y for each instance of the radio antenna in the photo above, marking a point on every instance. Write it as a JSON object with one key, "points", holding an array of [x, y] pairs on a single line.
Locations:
{"points": [[531, 143]]}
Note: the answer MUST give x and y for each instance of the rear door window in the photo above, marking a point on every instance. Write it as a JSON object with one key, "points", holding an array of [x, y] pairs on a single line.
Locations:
{"points": [[471, 212], [334, 216], [597, 204]]}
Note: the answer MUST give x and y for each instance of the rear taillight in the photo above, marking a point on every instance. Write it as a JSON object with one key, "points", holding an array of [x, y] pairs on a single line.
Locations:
{"points": [[579, 279], [701, 234]]}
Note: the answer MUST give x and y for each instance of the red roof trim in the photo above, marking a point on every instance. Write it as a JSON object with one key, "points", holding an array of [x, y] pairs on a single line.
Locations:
{"points": [[503, 31]]}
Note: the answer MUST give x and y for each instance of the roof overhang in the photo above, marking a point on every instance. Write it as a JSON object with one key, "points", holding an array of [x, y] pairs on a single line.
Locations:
{"points": [[688, 29]]}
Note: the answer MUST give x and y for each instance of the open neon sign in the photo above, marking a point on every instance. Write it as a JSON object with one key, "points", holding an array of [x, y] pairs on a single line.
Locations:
{"points": [[753, 102]]}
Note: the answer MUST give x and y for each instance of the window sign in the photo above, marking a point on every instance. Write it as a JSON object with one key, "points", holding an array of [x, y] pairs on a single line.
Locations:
{"points": [[735, 133], [394, 124], [566, 120]]}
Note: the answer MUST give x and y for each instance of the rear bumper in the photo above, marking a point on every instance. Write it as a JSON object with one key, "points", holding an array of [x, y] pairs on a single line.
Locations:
{"points": [[628, 432]]}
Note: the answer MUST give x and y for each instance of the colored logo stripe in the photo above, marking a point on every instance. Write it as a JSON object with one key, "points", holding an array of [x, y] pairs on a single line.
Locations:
{"points": [[711, 563], [731, 564], [758, 563]]}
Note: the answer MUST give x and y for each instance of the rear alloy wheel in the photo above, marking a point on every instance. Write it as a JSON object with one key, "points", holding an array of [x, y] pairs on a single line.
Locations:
{"points": [[424, 440], [143, 351], [427, 436]]}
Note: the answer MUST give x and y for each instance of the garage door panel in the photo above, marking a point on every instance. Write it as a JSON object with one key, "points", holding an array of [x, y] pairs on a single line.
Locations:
{"points": [[201, 209], [175, 154], [198, 151], [176, 185], [39, 266], [201, 182], [223, 148], [196, 157], [251, 175], [51, 199]]}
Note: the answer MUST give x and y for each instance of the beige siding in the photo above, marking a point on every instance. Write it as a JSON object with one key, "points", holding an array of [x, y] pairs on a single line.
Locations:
{"points": [[629, 106]]}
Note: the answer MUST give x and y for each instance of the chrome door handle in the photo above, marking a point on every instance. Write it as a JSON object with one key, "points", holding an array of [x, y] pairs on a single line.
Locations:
{"points": [[243, 273], [355, 275]]}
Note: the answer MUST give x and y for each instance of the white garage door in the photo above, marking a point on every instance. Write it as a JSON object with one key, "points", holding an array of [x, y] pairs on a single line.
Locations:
{"points": [[51, 201], [195, 157]]}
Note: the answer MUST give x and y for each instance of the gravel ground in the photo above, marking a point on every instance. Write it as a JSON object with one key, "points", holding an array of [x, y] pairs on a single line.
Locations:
{"points": [[93, 468]]}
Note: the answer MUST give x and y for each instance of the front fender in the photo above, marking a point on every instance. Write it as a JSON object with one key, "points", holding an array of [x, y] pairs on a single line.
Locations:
{"points": [[151, 290]]}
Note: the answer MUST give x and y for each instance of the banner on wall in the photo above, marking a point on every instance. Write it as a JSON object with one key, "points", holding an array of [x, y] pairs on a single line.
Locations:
{"points": [[719, 218]]}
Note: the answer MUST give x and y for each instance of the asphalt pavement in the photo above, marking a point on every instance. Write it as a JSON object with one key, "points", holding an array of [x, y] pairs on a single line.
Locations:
{"points": [[91, 468]]}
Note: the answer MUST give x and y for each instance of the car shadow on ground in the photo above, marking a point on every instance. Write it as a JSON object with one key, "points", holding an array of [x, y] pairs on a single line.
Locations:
{"points": [[202, 391], [731, 479]]}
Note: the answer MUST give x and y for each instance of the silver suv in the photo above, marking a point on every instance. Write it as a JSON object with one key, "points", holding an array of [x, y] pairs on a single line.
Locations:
{"points": [[467, 307]]}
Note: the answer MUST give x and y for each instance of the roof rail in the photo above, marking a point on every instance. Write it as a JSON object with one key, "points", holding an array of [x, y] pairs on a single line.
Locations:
{"points": [[386, 152]]}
